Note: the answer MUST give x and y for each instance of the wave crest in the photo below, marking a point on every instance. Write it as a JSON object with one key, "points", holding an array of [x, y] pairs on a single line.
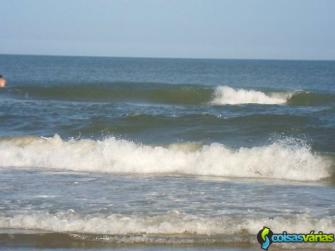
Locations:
{"points": [[225, 95], [168, 94], [173, 222], [278, 160]]}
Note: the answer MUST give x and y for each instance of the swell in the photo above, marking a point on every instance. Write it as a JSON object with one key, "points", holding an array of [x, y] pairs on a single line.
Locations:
{"points": [[169, 94], [286, 160], [311, 99], [170, 228], [144, 92]]}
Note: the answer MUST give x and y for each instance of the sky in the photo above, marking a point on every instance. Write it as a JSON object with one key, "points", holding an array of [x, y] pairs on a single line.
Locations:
{"points": [[260, 29]]}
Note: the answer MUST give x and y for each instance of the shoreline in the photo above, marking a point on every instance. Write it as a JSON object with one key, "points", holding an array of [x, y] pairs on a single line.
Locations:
{"points": [[28, 239]]}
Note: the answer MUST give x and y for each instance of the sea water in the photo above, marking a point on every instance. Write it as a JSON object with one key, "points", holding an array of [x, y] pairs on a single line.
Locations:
{"points": [[164, 154]]}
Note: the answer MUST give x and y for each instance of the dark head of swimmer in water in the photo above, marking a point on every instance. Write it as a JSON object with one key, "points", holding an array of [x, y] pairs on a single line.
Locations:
{"points": [[2, 81]]}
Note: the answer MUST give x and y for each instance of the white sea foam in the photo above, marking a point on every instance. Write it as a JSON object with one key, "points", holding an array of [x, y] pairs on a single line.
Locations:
{"points": [[278, 160], [225, 95], [169, 223]]}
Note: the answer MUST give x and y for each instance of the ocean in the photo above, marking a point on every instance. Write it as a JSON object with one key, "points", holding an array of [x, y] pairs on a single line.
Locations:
{"points": [[154, 154]]}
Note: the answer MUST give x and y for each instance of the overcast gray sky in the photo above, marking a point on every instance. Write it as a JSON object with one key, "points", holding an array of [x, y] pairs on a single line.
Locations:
{"points": [[282, 29]]}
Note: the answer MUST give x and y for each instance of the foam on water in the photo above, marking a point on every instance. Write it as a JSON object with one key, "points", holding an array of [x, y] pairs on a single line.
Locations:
{"points": [[225, 95], [170, 223], [279, 160]]}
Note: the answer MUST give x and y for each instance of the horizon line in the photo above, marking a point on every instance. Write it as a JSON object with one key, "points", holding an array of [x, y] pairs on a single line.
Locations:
{"points": [[164, 57]]}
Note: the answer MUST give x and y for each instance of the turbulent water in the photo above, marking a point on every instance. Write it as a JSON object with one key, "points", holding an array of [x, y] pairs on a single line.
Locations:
{"points": [[109, 151]]}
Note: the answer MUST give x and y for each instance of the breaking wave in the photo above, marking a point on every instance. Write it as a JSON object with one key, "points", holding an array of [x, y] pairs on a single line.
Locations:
{"points": [[172, 227], [279, 160], [168, 94], [225, 95]]}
